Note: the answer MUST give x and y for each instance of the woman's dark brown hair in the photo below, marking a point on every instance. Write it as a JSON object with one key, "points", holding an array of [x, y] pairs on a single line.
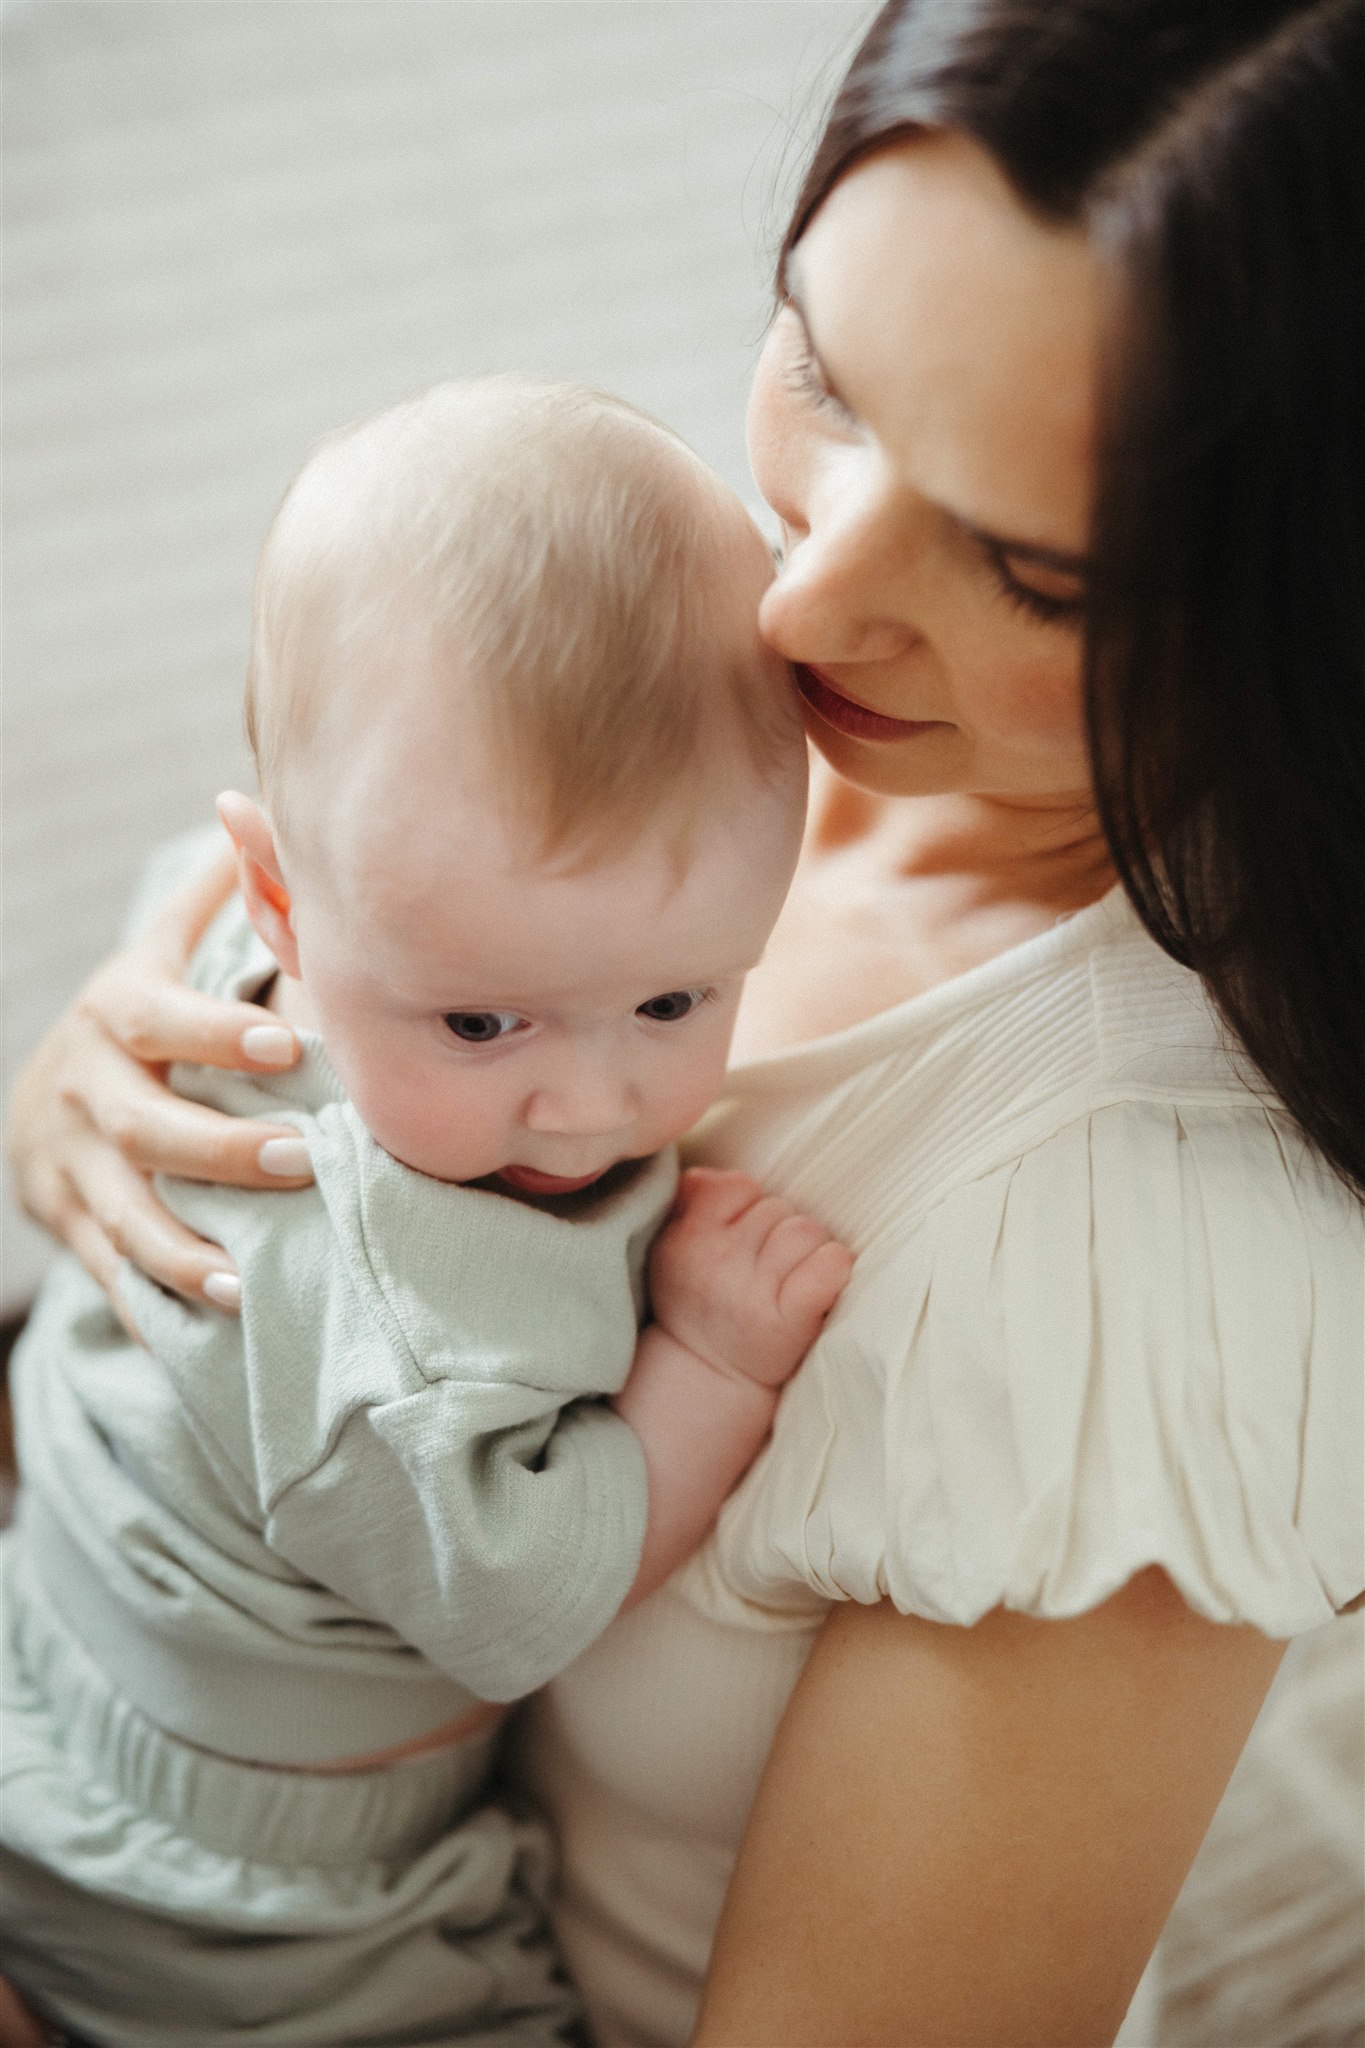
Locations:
{"points": [[1214, 151]]}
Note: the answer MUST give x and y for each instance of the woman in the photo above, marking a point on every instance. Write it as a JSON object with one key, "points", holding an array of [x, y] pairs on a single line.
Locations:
{"points": [[1062, 413]]}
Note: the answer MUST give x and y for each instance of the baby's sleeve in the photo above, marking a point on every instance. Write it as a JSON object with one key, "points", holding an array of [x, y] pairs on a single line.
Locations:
{"points": [[475, 1492], [494, 1531], [1141, 1343]]}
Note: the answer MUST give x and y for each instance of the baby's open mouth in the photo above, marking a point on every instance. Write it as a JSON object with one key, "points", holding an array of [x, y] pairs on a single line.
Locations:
{"points": [[527, 1181]]}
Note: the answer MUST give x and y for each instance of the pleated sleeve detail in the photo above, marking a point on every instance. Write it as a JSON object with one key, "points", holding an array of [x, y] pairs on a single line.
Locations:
{"points": [[1140, 1343]]}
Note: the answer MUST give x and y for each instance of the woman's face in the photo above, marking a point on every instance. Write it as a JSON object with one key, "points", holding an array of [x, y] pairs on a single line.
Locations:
{"points": [[921, 423]]}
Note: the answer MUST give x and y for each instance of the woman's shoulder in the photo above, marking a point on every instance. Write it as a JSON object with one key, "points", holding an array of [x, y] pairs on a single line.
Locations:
{"points": [[1129, 1330], [875, 1127]]}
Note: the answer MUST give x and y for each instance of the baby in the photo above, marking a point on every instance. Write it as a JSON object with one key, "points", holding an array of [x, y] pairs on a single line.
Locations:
{"points": [[532, 791]]}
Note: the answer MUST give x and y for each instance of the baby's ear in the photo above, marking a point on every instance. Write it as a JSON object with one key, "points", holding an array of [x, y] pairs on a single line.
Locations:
{"points": [[260, 877]]}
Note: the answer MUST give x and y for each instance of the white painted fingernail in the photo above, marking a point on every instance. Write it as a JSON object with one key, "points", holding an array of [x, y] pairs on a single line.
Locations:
{"points": [[270, 1045], [225, 1289], [288, 1157]]}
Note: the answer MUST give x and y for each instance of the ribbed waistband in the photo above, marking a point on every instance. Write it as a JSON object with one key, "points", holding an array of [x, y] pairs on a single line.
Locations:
{"points": [[240, 1696], [260, 1812]]}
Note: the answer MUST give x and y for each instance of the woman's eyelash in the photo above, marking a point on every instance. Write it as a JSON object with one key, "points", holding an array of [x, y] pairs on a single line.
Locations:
{"points": [[807, 379], [805, 376], [1035, 604]]}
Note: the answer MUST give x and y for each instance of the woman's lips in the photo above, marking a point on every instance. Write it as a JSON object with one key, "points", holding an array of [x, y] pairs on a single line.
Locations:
{"points": [[527, 1181], [846, 715]]}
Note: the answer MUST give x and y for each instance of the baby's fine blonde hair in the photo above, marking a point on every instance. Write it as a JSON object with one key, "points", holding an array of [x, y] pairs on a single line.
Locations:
{"points": [[563, 548]]}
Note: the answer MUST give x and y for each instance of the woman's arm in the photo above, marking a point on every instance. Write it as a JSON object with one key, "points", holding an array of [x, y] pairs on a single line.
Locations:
{"points": [[92, 1118], [970, 1838]]}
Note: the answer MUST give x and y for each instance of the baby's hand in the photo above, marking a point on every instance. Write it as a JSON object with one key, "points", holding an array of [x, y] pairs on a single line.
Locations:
{"points": [[741, 1284], [743, 1279]]}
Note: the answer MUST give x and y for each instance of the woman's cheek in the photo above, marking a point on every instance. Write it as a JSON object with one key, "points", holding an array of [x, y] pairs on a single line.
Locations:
{"points": [[1024, 699]]}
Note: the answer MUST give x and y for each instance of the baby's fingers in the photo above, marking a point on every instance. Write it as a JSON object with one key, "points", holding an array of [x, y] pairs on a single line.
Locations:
{"points": [[711, 1197], [790, 1238], [762, 1228], [812, 1287]]}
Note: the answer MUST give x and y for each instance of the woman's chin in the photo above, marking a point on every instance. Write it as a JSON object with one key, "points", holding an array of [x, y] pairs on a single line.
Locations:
{"points": [[919, 765]]}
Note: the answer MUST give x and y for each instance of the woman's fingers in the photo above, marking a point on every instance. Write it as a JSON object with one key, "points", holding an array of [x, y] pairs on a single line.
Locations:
{"points": [[156, 1019], [157, 1132], [91, 1118], [139, 999], [123, 1219], [115, 1206], [82, 1235], [79, 1230]]}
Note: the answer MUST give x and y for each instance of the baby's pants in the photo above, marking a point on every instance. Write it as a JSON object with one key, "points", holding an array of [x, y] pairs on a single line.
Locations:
{"points": [[153, 1895]]}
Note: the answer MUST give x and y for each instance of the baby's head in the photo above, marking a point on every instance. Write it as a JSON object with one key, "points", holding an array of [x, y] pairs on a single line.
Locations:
{"points": [[532, 785]]}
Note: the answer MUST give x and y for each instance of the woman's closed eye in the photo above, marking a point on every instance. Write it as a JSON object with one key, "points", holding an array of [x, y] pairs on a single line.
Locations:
{"points": [[675, 1005], [482, 1027], [805, 373], [1063, 606]]}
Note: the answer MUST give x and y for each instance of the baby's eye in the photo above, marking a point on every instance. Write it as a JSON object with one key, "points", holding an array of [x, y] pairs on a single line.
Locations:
{"points": [[678, 1003], [482, 1027]]}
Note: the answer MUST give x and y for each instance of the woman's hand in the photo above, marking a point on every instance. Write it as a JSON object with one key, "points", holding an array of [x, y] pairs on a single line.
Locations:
{"points": [[92, 1118], [976, 1834], [18, 2028]]}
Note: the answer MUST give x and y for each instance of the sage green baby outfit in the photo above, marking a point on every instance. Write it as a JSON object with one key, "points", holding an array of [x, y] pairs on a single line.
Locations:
{"points": [[386, 1493]]}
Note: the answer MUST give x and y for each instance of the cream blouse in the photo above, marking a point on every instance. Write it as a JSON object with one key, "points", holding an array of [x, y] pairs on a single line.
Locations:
{"points": [[1108, 1311]]}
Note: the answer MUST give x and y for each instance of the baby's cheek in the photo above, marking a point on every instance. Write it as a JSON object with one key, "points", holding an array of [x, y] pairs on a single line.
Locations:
{"points": [[694, 1088], [388, 1102], [402, 1102], [443, 1137]]}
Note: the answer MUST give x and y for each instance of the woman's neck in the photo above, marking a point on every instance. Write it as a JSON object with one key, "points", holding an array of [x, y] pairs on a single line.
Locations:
{"points": [[982, 851], [896, 895]]}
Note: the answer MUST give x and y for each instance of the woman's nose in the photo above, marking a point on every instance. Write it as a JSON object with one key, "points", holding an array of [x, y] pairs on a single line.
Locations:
{"points": [[831, 600]]}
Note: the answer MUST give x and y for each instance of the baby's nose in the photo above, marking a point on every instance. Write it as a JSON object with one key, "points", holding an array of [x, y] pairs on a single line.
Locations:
{"points": [[589, 1102]]}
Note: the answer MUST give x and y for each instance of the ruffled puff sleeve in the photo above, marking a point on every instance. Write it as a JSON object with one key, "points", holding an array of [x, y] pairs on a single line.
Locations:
{"points": [[1140, 1343]]}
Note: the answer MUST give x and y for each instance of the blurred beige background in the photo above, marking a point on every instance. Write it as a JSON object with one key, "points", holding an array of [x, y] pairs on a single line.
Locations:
{"points": [[232, 224]]}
